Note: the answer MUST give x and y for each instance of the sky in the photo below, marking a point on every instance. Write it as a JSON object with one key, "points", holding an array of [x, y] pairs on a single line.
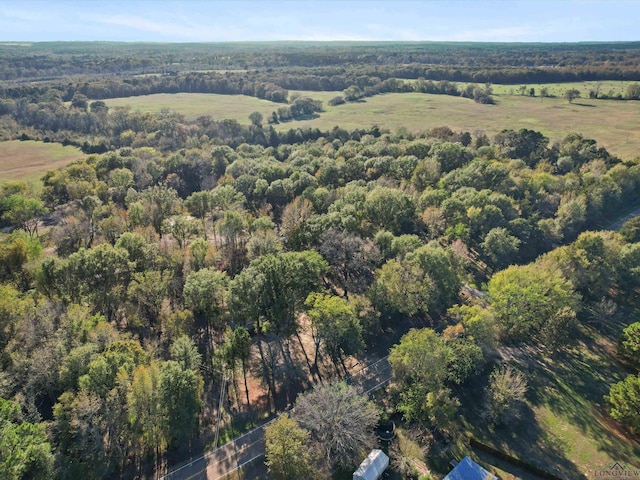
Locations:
{"points": [[367, 20]]}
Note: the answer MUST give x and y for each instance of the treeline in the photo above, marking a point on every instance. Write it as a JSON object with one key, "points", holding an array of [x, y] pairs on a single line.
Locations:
{"points": [[251, 84], [453, 61], [95, 128]]}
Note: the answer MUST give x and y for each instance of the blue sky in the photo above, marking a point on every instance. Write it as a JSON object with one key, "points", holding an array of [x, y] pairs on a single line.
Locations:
{"points": [[218, 20]]}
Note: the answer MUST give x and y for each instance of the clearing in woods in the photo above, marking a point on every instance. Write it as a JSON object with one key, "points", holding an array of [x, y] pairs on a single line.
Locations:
{"points": [[193, 105], [614, 124], [29, 160]]}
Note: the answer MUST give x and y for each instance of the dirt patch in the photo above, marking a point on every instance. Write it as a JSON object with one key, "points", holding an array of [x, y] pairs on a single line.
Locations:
{"points": [[29, 160]]}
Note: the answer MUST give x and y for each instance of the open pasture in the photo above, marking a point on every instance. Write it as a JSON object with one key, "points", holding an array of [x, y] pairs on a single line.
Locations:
{"points": [[193, 105], [615, 125], [29, 160], [611, 88]]}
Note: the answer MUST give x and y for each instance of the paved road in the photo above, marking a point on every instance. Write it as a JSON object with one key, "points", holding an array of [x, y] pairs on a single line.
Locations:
{"points": [[249, 447]]}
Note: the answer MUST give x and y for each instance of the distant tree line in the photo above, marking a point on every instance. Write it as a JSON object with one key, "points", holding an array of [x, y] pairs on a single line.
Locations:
{"points": [[501, 63]]}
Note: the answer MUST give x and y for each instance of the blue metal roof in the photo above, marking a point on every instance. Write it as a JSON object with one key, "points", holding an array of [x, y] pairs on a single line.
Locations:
{"points": [[467, 469]]}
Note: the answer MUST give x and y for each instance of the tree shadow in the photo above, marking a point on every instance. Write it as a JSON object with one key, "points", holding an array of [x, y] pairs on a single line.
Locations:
{"points": [[572, 384], [524, 437], [583, 104]]}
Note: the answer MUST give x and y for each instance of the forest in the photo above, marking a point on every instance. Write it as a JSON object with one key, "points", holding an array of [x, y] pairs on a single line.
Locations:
{"points": [[178, 259]]}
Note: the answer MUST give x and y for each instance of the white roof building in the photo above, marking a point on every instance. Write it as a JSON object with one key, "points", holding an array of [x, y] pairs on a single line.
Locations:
{"points": [[372, 467], [467, 469]]}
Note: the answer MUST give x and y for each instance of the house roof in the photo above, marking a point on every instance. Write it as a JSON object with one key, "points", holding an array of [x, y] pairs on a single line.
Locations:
{"points": [[467, 469], [372, 467]]}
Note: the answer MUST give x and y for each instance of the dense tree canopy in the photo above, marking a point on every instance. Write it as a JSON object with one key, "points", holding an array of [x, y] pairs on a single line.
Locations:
{"points": [[181, 250]]}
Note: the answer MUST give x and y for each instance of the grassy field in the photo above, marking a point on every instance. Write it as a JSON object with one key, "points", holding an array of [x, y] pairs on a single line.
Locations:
{"points": [[613, 124], [609, 87], [564, 429], [29, 160], [192, 105]]}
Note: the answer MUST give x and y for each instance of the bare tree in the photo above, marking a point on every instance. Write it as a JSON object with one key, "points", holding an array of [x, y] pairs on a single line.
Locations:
{"points": [[340, 420], [505, 394]]}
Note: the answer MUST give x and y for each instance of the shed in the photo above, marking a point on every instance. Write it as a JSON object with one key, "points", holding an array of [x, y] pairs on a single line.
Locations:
{"points": [[372, 467], [467, 469]]}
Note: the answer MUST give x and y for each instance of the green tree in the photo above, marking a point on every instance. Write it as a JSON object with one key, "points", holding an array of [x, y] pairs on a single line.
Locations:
{"points": [[500, 247], [592, 263], [248, 284], [280, 285], [159, 203], [256, 118], [146, 414], [101, 274], [231, 227], [238, 344], [184, 352], [633, 91], [205, 292], [334, 327], [12, 307], [181, 228], [479, 325], [624, 402], [420, 364], [225, 197], [571, 216], [402, 287], [199, 251], [442, 266], [572, 94], [340, 420], [630, 231], [147, 290], [199, 205], [22, 212], [451, 156], [527, 145], [466, 359], [25, 452], [287, 452], [181, 390], [80, 101], [440, 408], [526, 298], [629, 343], [120, 180], [391, 209]]}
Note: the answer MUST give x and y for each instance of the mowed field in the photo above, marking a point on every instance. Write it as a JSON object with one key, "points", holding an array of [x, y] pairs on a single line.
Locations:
{"points": [[193, 105], [29, 160]]}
